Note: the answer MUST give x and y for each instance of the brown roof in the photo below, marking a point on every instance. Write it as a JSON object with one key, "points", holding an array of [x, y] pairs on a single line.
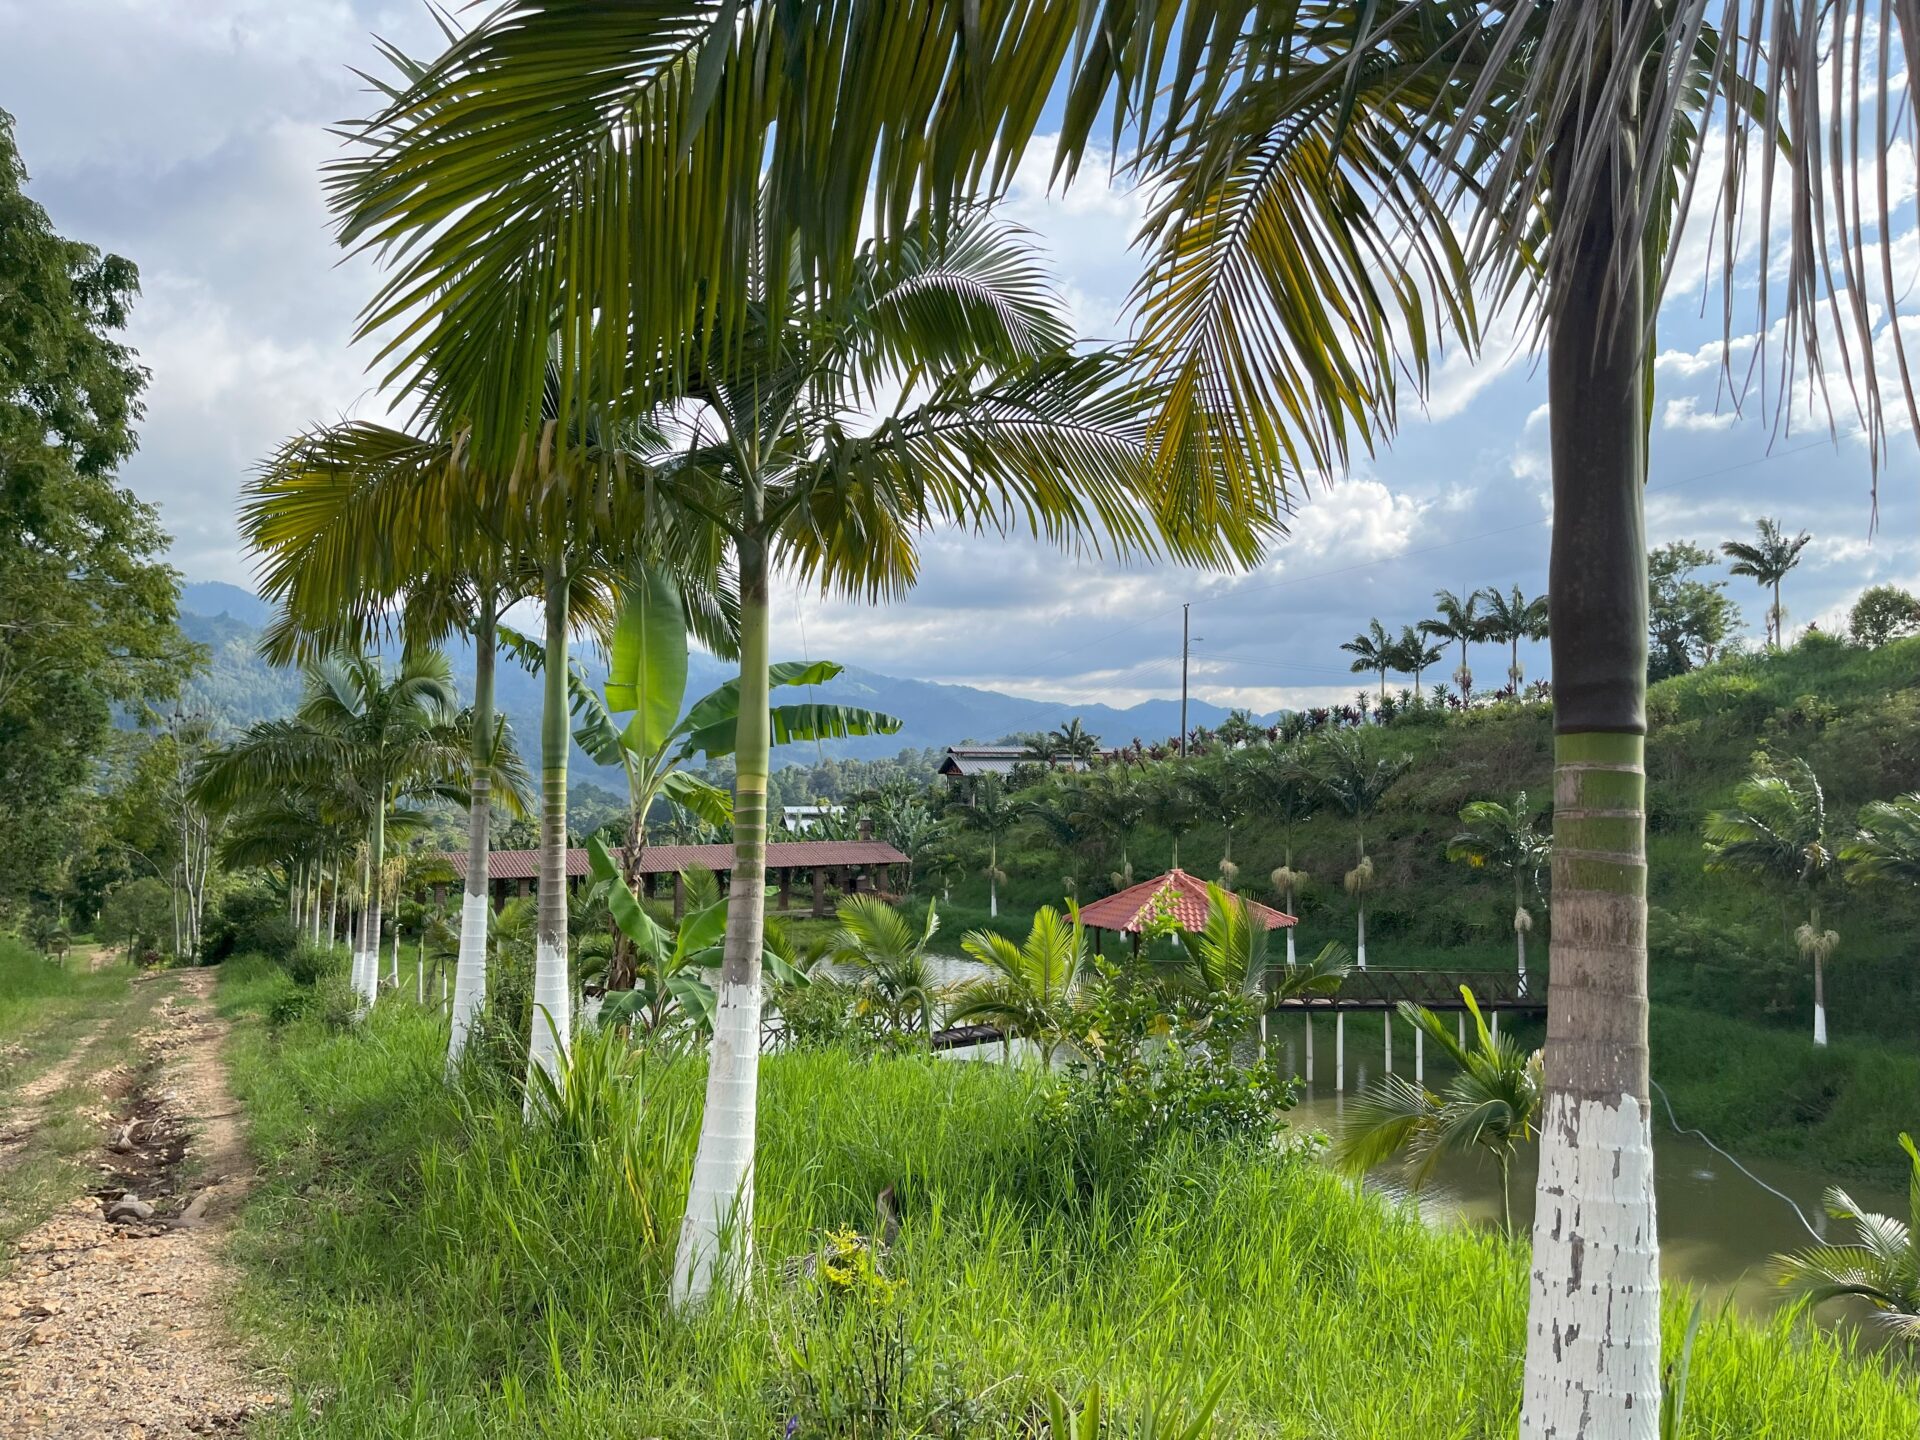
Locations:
{"points": [[1126, 910], [666, 859]]}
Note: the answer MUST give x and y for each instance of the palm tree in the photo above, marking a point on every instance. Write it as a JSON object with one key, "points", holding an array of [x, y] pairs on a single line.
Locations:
{"points": [[1373, 651], [891, 962], [361, 528], [1073, 742], [1229, 955], [384, 738], [1112, 802], [1778, 831], [1458, 620], [1492, 1103], [1887, 848], [1357, 783], [1413, 655], [1222, 789], [1013, 429], [1502, 838], [991, 813], [1882, 1267], [1289, 795], [1767, 560], [1172, 805], [1030, 990], [1511, 618]]}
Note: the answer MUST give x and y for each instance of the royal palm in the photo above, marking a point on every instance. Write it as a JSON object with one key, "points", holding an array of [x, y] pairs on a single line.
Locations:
{"points": [[1767, 559]]}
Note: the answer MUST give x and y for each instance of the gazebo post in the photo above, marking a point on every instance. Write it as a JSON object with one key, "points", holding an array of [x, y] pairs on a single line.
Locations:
{"points": [[786, 889], [679, 896], [819, 892]]}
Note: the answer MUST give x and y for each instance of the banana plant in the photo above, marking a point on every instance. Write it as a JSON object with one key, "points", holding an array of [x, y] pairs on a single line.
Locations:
{"points": [[670, 973], [657, 743]]}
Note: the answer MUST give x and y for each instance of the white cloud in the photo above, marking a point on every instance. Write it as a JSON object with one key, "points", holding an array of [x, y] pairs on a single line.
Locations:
{"points": [[1685, 414], [1355, 520]]}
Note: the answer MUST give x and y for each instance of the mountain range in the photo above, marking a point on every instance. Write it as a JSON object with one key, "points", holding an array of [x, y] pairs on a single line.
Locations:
{"points": [[240, 687]]}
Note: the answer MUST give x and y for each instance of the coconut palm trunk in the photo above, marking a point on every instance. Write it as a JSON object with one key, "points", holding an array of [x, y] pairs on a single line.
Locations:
{"points": [[470, 970], [1593, 1339], [552, 984], [1520, 928], [716, 1237]]}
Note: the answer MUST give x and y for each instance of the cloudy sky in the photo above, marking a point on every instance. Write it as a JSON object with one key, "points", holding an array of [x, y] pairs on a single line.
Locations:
{"points": [[188, 136]]}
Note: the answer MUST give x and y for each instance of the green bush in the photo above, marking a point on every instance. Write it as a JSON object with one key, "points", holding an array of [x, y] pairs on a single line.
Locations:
{"points": [[249, 919]]}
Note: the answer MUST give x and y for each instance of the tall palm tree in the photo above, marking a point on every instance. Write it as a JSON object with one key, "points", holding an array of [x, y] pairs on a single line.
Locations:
{"points": [[990, 812], [1112, 802], [1373, 651], [362, 529], [1030, 987], [384, 738], [1511, 618], [1778, 830], [1413, 655], [1882, 1267], [1172, 802], [1491, 1103], [1767, 560], [1073, 741], [994, 422], [1502, 838], [1356, 783], [1458, 621], [1289, 795]]}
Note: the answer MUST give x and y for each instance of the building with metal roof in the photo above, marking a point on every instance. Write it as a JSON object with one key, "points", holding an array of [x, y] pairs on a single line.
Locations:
{"points": [[963, 762]]}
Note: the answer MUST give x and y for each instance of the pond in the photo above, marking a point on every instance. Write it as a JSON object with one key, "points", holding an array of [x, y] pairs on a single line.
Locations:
{"points": [[1719, 1227]]}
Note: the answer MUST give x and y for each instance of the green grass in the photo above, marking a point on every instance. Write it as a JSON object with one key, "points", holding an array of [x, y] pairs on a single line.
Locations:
{"points": [[37, 993], [423, 1264]]}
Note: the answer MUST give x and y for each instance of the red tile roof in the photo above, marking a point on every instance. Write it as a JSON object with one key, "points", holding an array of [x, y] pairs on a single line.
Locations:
{"points": [[1126, 910], [666, 859]]}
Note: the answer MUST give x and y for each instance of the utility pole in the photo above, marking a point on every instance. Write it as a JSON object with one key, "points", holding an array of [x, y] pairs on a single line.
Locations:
{"points": [[1186, 644]]}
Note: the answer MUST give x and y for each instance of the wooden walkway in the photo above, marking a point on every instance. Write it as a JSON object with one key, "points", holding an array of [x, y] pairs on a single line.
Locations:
{"points": [[1381, 990]]}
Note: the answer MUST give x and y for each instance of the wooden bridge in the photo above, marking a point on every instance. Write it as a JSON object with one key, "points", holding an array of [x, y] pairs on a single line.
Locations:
{"points": [[1439, 990]]}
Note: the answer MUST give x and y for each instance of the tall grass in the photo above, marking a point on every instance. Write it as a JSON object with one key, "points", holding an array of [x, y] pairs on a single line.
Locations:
{"points": [[35, 989], [424, 1264]]}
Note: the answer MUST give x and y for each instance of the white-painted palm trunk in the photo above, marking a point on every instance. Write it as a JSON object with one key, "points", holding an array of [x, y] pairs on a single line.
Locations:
{"points": [[551, 1039], [1360, 948], [715, 1250], [1819, 1001], [470, 971], [718, 1229]]}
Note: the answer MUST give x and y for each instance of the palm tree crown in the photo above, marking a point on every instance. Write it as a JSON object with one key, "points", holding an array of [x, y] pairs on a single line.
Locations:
{"points": [[1458, 621], [1373, 651], [1511, 618], [1882, 1267], [1767, 560]]}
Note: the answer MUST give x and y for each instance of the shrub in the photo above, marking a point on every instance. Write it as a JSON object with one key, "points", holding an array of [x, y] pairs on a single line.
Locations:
{"points": [[139, 913], [248, 920], [308, 963]]}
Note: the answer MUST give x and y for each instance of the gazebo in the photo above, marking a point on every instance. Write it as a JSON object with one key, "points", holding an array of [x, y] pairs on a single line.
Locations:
{"points": [[1131, 911]]}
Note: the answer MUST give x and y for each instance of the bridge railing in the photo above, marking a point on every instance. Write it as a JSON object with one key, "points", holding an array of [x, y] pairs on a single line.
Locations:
{"points": [[1384, 989]]}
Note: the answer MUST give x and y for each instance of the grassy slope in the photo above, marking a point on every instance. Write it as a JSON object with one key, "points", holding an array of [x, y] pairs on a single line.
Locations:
{"points": [[433, 1267], [1721, 946]]}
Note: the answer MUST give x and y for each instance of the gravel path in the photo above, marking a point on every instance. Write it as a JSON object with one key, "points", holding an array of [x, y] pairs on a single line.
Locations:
{"points": [[112, 1327]]}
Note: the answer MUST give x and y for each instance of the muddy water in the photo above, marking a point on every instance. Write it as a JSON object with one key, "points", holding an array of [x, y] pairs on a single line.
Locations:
{"points": [[1719, 1227]]}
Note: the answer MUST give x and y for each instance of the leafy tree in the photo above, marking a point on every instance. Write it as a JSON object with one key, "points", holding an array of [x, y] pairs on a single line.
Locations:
{"points": [[1374, 651], [1502, 838], [1883, 613], [141, 912], [87, 606], [1688, 619], [1492, 1103], [1778, 831], [1767, 560], [1459, 621], [1882, 1267], [1511, 618]]}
